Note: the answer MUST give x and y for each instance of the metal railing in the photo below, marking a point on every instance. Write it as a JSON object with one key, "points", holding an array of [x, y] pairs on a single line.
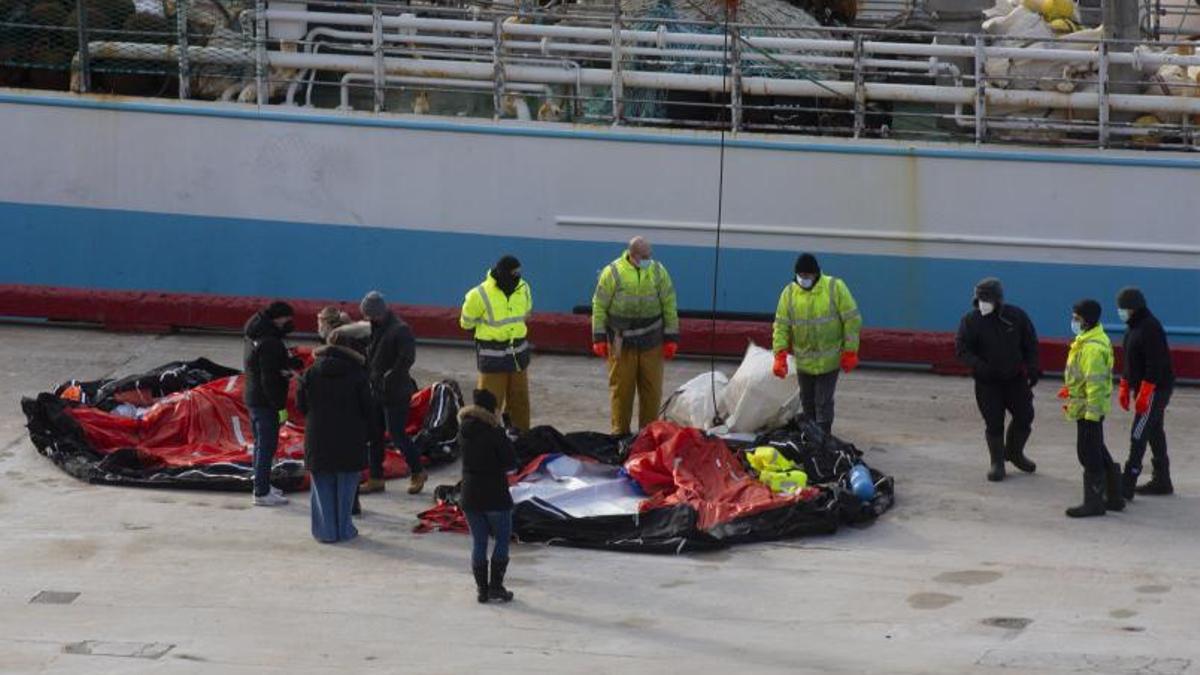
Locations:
{"points": [[595, 64]]}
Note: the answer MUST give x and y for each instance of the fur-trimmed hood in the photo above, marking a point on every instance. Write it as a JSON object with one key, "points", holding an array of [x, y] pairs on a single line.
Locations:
{"points": [[339, 350], [478, 413]]}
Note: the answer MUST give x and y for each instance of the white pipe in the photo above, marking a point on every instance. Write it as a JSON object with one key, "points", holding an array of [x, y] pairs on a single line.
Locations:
{"points": [[433, 82]]}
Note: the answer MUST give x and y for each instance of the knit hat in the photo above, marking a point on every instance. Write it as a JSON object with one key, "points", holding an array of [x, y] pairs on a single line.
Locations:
{"points": [[807, 264], [1131, 298], [330, 318], [373, 305], [484, 399], [507, 264], [1088, 310], [989, 290], [279, 309]]}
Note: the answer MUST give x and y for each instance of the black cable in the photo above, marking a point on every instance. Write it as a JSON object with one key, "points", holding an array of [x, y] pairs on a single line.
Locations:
{"points": [[712, 334]]}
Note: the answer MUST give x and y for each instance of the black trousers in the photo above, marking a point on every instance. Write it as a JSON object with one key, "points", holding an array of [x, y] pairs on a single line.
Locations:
{"points": [[816, 398], [1012, 396], [1149, 429], [1089, 446]]}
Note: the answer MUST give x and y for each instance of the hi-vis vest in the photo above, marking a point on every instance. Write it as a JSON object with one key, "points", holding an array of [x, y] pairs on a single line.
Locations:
{"points": [[637, 304], [817, 325], [499, 324], [1089, 376], [776, 471]]}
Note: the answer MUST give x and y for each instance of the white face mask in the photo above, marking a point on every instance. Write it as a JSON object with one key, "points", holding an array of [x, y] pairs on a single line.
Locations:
{"points": [[1076, 327], [645, 263], [805, 282], [1124, 314], [986, 308]]}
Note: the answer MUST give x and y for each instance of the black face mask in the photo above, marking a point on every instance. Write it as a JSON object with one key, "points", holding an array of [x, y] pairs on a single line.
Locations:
{"points": [[507, 281]]}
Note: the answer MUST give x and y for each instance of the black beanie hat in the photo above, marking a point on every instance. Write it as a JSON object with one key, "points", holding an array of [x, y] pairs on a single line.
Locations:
{"points": [[507, 264], [1088, 310], [806, 263], [989, 290], [279, 309], [484, 399], [1131, 298]]}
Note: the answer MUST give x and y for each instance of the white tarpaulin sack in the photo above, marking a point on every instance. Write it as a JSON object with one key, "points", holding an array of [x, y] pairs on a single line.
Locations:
{"points": [[755, 399], [691, 405]]}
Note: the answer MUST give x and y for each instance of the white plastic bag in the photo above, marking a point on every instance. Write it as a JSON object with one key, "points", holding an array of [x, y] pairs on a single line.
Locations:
{"points": [[691, 405], [755, 399]]}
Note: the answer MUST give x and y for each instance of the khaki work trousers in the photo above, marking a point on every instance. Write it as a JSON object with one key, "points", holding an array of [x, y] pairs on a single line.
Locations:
{"points": [[512, 395], [640, 370]]}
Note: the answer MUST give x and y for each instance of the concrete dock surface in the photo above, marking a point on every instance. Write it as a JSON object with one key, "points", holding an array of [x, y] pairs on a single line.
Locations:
{"points": [[961, 576]]}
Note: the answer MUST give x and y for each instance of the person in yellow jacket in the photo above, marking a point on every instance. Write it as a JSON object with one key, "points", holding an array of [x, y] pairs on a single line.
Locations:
{"points": [[635, 325], [818, 322], [496, 311], [1087, 396]]}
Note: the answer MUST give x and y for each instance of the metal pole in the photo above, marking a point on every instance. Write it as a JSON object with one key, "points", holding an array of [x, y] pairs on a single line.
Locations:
{"points": [[860, 94], [497, 67], [260, 50], [980, 92], [735, 92], [1102, 81], [181, 27], [618, 82], [85, 61], [377, 50]]}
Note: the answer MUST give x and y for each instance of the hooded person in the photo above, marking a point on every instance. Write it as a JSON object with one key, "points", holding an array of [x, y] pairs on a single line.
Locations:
{"points": [[1147, 381], [391, 353], [495, 312], [335, 398], [1087, 396], [998, 342], [268, 366], [818, 323], [635, 326], [488, 457]]}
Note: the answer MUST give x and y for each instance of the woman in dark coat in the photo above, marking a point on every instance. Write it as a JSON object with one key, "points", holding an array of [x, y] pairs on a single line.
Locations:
{"points": [[335, 397], [488, 457]]}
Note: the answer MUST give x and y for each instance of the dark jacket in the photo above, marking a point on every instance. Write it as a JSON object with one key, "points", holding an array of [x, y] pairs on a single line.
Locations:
{"points": [[266, 359], [392, 352], [1147, 356], [487, 457], [999, 347], [336, 402]]}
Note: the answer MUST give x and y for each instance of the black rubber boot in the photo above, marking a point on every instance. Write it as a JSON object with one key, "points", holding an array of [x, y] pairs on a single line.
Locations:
{"points": [[996, 452], [496, 589], [1014, 449], [1160, 482], [481, 580], [1113, 501], [1093, 496], [1129, 481], [356, 510]]}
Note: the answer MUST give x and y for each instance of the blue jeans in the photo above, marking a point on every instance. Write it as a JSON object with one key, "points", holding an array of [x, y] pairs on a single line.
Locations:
{"points": [[497, 524], [265, 424], [332, 501], [396, 419]]}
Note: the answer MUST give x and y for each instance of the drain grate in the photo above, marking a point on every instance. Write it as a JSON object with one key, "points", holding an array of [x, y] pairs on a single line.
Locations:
{"points": [[129, 650], [54, 598]]}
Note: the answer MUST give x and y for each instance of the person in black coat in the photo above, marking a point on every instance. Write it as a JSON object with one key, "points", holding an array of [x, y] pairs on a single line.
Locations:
{"points": [[336, 401], [998, 342], [267, 369], [487, 456], [1149, 377], [390, 355]]}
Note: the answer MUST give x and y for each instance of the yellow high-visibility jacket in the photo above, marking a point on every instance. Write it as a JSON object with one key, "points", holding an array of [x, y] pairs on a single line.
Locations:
{"points": [[1089, 376], [637, 304], [498, 321], [817, 325]]}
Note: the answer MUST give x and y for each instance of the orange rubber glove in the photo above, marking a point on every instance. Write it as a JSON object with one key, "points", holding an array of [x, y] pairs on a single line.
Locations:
{"points": [[600, 349], [1145, 393], [1123, 394], [849, 361], [781, 365], [1064, 393], [669, 349]]}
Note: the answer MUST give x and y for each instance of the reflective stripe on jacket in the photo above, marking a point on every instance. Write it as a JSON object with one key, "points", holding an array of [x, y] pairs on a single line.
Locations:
{"points": [[638, 304], [1089, 376], [498, 321], [817, 325]]}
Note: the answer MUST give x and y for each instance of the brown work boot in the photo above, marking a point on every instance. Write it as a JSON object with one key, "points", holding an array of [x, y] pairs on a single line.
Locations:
{"points": [[416, 482], [371, 485]]}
